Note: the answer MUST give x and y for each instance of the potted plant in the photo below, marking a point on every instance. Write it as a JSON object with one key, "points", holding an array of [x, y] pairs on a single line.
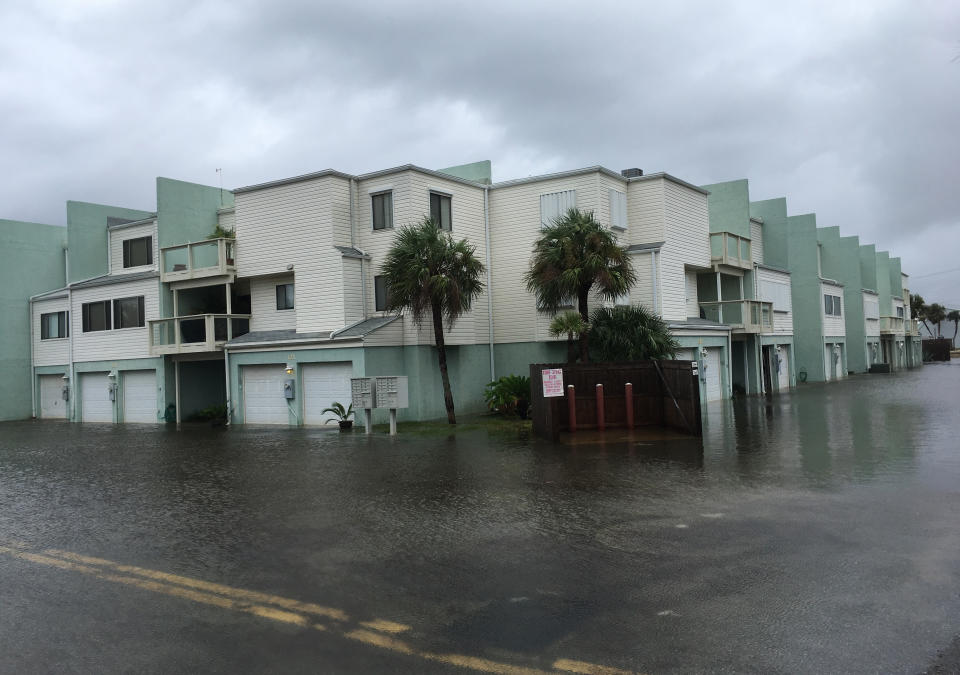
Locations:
{"points": [[340, 414]]}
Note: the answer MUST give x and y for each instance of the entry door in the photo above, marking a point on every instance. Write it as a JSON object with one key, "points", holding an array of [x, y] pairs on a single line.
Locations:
{"points": [[52, 405], [712, 363], [828, 361], [139, 396], [324, 383], [783, 376], [837, 360], [95, 403], [263, 401]]}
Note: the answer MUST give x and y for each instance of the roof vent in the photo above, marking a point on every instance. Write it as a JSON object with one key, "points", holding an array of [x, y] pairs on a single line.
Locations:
{"points": [[631, 173]]}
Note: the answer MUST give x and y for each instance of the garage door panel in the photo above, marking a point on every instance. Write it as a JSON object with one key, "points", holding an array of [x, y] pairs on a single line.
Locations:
{"points": [[323, 384], [139, 396], [52, 405], [95, 403], [263, 401]]}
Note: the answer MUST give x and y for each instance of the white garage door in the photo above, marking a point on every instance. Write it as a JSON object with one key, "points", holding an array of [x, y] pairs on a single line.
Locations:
{"points": [[139, 396], [95, 403], [783, 377], [324, 383], [52, 405], [713, 374], [263, 401]]}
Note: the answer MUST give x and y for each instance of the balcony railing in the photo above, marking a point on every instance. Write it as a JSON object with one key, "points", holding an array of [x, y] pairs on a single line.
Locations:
{"points": [[210, 258], [911, 327], [891, 324], [730, 249], [198, 333], [744, 316]]}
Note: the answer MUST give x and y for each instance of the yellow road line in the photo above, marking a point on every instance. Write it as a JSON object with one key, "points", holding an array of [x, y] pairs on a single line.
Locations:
{"points": [[373, 633]]}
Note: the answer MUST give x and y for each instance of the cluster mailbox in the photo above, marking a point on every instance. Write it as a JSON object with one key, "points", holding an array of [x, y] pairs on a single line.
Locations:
{"points": [[361, 392], [385, 391]]}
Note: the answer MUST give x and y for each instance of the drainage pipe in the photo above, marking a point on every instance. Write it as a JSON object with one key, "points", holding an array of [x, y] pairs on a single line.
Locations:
{"points": [[486, 232]]}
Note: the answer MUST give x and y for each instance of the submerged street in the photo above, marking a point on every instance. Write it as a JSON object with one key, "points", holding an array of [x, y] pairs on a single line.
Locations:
{"points": [[815, 532]]}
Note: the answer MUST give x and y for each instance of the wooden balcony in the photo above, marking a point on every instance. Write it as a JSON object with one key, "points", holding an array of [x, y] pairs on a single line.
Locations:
{"points": [[891, 325], [197, 260], [195, 334], [744, 316], [730, 249]]}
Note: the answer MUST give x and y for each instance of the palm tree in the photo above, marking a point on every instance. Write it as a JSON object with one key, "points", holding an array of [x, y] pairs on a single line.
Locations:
{"points": [[572, 256], [429, 273], [936, 313], [954, 315], [572, 324], [630, 333], [918, 310]]}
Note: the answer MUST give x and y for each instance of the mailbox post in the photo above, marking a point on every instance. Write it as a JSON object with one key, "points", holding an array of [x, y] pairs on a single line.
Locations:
{"points": [[391, 392]]}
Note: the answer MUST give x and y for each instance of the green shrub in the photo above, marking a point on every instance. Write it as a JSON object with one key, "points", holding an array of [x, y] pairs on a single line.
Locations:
{"points": [[509, 396]]}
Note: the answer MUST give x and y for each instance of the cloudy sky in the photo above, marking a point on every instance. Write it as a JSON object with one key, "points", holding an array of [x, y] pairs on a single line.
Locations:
{"points": [[849, 109]]}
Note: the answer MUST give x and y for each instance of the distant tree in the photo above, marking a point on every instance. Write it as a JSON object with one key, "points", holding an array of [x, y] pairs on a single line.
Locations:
{"points": [[936, 313], [572, 325], [630, 333], [954, 315], [918, 310], [432, 275], [574, 255]]}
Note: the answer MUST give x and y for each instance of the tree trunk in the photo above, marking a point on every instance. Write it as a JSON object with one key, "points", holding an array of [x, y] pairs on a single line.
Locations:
{"points": [[585, 315], [442, 358], [928, 327], [571, 349]]}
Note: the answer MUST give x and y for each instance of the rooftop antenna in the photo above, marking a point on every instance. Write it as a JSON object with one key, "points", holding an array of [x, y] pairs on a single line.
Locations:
{"points": [[220, 174]]}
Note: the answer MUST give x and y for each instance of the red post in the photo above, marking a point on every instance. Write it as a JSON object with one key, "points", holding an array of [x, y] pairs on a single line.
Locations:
{"points": [[628, 398], [601, 421], [572, 407]]}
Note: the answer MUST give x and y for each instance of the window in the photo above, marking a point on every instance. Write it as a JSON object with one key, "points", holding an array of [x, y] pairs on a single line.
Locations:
{"points": [[871, 309], [556, 204], [284, 296], [440, 210], [777, 293], [138, 252], [899, 312], [382, 205], [54, 325], [618, 209], [128, 312], [380, 293], [831, 305], [95, 316]]}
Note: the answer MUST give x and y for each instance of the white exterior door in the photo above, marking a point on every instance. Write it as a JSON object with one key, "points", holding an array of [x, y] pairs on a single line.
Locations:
{"points": [[52, 405], [828, 361], [263, 401], [783, 376], [140, 396], [713, 376], [95, 403], [837, 357], [324, 383]]}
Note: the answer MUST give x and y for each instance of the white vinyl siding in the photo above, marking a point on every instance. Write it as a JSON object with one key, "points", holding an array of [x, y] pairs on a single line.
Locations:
{"points": [[324, 384], [114, 344], [618, 209], [264, 314], [139, 390], [390, 335], [118, 236], [95, 403], [687, 242], [352, 291], [54, 352], [52, 405], [871, 314], [556, 204], [833, 325], [774, 287], [298, 224], [693, 306], [644, 288], [756, 242]]}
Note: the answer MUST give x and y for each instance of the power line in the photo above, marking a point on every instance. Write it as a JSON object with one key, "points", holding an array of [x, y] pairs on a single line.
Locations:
{"points": [[933, 274]]}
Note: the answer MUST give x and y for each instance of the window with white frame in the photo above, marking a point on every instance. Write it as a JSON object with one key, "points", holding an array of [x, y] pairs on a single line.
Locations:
{"points": [[284, 296], [382, 205], [832, 305], [441, 210], [128, 312], [618, 209], [138, 252], [95, 316], [555, 205], [54, 325], [777, 293], [380, 295]]}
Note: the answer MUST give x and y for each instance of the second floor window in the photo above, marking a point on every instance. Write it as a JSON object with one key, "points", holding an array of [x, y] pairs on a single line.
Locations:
{"points": [[284, 296], [128, 312], [380, 293], [95, 316], [138, 252], [555, 205], [440, 211], [899, 312], [54, 325], [382, 205], [831, 305], [618, 210]]}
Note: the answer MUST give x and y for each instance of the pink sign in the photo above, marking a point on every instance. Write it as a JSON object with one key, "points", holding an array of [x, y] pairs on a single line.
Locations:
{"points": [[552, 382]]}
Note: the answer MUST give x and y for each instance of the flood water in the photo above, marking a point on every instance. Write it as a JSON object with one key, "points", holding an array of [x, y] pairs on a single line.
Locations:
{"points": [[817, 531]]}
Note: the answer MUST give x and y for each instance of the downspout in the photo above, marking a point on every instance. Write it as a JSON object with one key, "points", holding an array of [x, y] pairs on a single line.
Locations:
{"points": [[33, 370], [354, 190], [486, 232], [72, 402], [653, 273]]}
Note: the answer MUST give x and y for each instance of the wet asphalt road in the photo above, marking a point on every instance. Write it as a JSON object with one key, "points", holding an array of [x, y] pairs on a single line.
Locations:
{"points": [[816, 532]]}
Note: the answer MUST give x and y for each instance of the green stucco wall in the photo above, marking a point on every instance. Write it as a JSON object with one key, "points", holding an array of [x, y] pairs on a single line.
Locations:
{"points": [[729, 207], [31, 262], [838, 252], [896, 278], [883, 284], [478, 172], [514, 358], [87, 236], [805, 295], [868, 266], [187, 212], [775, 231]]}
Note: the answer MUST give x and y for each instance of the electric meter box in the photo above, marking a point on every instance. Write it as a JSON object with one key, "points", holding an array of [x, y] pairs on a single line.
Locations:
{"points": [[391, 392], [361, 392]]}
